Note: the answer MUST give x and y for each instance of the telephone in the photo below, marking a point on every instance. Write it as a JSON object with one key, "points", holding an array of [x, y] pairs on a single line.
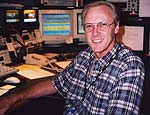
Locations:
{"points": [[36, 59], [41, 60]]}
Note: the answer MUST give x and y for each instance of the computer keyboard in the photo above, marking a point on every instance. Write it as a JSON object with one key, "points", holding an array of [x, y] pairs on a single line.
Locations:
{"points": [[6, 70]]}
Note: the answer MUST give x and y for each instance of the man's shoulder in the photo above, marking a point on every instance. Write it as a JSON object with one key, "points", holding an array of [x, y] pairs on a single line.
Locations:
{"points": [[128, 55]]}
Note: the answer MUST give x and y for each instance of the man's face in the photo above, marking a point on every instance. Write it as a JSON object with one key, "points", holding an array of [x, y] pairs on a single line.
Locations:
{"points": [[100, 39]]}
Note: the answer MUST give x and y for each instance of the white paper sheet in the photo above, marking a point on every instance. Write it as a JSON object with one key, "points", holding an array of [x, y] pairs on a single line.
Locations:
{"points": [[144, 8], [4, 89], [33, 71], [63, 64], [132, 36]]}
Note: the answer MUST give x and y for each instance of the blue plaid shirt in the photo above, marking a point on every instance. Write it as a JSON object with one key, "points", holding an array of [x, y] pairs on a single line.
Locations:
{"points": [[116, 91]]}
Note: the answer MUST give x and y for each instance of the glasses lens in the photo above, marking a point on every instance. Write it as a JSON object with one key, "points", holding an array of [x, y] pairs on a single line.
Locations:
{"points": [[88, 27], [102, 26]]}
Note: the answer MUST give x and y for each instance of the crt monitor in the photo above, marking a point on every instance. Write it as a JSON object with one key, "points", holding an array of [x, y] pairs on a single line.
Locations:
{"points": [[12, 15], [55, 25], [78, 31], [29, 15]]}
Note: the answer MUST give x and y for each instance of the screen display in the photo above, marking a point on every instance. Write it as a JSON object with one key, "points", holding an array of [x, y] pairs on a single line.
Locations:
{"points": [[80, 26], [30, 15], [55, 24], [12, 16]]}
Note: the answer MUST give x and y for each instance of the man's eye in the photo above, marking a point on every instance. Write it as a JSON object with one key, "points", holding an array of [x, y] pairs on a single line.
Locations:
{"points": [[88, 26], [103, 24]]}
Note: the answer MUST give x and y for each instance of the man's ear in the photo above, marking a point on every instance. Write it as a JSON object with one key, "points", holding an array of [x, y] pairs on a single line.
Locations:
{"points": [[117, 28]]}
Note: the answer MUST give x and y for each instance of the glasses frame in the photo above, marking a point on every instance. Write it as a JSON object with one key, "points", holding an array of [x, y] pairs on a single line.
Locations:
{"points": [[101, 26]]}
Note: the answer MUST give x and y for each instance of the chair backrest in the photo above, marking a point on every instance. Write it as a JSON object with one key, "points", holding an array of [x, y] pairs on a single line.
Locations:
{"points": [[145, 110]]}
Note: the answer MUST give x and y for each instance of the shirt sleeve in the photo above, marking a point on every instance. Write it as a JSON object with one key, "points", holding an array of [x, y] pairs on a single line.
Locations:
{"points": [[125, 98], [62, 81]]}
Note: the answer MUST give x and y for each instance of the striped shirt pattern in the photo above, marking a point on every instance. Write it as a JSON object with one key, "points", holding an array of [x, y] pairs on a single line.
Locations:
{"points": [[117, 91]]}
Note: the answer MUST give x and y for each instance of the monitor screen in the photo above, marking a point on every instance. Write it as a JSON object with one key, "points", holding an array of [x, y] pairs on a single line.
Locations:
{"points": [[77, 26], [12, 16], [55, 25], [29, 15]]}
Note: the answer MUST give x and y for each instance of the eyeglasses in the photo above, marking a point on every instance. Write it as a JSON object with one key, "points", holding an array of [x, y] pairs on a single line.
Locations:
{"points": [[101, 26]]}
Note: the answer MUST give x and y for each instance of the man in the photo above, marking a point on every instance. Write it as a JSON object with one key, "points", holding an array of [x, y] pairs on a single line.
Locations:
{"points": [[106, 78]]}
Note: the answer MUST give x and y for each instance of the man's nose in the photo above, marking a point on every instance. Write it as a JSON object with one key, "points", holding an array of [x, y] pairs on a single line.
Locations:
{"points": [[95, 30]]}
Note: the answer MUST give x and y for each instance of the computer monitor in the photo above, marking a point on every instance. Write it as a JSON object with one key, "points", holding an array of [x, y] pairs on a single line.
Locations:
{"points": [[78, 32], [29, 15], [56, 25], [12, 15]]}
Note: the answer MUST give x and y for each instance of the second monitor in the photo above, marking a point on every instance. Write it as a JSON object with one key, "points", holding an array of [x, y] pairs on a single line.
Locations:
{"points": [[56, 25]]}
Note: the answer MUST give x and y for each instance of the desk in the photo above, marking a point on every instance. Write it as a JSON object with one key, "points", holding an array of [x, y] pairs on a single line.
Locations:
{"points": [[30, 72], [35, 71], [47, 105]]}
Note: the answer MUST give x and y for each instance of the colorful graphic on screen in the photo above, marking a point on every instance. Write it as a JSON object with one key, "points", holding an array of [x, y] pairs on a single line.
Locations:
{"points": [[55, 24], [29, 15], [12, 16]]}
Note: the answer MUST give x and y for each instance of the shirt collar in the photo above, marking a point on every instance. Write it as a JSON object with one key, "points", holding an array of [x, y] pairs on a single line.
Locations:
{"points": [[105, 59]]}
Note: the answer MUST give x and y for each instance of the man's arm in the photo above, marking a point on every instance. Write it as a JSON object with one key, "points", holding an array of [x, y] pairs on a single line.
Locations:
{"points": [[33, 89]]}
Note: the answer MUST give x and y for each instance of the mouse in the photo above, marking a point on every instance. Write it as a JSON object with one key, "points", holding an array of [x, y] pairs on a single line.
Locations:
{"points": [[12, 80]]}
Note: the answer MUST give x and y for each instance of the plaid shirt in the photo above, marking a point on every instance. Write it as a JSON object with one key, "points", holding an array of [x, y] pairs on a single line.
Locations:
{"points": [[116, 91]]}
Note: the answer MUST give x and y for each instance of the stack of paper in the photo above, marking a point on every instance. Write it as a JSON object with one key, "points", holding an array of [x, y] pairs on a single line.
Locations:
{"points": [[33, 71]]}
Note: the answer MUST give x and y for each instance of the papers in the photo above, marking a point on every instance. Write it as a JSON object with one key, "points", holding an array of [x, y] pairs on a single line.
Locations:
{"points": [[144, 7], [5, 89], [132, 36], [33, 71], [63, 64]]}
